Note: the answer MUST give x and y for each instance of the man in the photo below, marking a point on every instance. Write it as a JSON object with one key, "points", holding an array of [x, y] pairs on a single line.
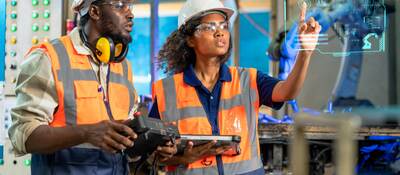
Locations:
{"points": [[75, 93]]}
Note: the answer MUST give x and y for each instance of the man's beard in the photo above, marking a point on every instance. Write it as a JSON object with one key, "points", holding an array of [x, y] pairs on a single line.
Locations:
{"points": [[109, 30], [118, 38]]}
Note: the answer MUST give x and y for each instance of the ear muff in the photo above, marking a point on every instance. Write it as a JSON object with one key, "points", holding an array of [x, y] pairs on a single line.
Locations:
{"points": [[121, 50], [105, 49], [118, 49]]}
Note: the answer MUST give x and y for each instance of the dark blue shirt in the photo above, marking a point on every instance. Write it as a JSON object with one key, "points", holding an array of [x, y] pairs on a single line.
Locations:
{"points": [[210, 100]]}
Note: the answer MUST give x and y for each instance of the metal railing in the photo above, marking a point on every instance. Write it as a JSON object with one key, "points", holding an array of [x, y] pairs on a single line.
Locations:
{"points": [[345, 143]]}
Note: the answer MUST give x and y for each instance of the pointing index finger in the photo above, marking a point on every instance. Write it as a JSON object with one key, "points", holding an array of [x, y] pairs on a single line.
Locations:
{"points": [[303, 12]]}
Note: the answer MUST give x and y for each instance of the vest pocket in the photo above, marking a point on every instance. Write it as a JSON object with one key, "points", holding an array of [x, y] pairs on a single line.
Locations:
{"points": [[90, 107], [86, 89]]}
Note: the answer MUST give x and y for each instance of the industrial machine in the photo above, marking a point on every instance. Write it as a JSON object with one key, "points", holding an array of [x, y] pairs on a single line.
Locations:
{"points": [[28, 24]]}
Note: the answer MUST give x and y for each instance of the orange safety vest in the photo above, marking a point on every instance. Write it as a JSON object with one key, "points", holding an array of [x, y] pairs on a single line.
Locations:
{"points": [[238, 115], [80, 98]]}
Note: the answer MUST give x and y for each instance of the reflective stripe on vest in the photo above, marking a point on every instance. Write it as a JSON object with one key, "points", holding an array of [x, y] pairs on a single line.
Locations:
{"points": [[80, 100], [238, 115]]}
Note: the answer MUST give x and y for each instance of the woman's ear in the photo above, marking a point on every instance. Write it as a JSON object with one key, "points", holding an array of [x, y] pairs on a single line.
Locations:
{"points": [[94, 12], [190, 42]]}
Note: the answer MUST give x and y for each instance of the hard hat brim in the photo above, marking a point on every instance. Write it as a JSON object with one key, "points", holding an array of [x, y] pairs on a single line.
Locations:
{"points": [[228, 11]]}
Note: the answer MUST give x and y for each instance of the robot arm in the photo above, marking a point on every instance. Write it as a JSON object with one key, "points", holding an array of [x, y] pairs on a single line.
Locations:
{"points": [[353, 17], [287, 45]]}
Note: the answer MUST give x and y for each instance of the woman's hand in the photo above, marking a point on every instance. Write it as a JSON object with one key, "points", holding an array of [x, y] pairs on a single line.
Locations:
{"points": [[166, 152], [192, 154], [308, 31]]}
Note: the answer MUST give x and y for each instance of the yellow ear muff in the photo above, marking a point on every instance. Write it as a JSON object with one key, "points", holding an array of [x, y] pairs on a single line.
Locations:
{"points": [[103, 49], [118, 49]]}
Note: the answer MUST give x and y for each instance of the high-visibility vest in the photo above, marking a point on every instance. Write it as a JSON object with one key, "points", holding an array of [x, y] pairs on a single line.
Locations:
{"points": [[81, 101], [238, 115], [80, 96]]}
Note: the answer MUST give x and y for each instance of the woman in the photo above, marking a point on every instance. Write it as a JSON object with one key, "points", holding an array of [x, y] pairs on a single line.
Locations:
{"points": [[204, 96]]}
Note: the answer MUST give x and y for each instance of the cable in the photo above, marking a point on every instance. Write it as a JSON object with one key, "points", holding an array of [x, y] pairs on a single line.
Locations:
{"points": [[154, 169], [321, 152], [141, 162]]}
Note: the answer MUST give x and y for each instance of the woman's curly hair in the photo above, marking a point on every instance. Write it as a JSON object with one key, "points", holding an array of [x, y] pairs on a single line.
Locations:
{"points": [[176, 55]]}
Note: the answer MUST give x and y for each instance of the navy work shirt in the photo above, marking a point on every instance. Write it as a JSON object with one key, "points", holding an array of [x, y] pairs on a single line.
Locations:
{"points": [[210, 100]]}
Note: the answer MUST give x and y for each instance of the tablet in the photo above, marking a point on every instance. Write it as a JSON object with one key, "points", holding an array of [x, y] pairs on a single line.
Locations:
{"points": [[224, 140], [197, 140]]}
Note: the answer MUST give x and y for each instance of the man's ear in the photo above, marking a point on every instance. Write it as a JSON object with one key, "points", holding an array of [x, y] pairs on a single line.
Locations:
{"points": [[94, 12], [189, 41]]}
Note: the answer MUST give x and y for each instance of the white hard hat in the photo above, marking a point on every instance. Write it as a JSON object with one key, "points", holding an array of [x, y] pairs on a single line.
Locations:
{"points": [[194, 8], [81, 6]]}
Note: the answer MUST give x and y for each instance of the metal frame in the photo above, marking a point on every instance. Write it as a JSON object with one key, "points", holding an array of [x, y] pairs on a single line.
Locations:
{"points": [[346, 145], [396, 73], [154, 37]]}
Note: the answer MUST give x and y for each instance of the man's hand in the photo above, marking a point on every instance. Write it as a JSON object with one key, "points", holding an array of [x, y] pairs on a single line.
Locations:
{"points": [[111, 136], [308, 32]]}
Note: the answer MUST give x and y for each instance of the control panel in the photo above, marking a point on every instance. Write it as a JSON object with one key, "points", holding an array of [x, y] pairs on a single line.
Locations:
{"points": [[12, 165], [9, 163], [28, 22], [23, 24]]}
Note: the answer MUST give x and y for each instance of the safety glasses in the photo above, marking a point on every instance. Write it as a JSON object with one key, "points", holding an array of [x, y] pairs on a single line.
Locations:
{"points": [[119, 5], [213, 27]]}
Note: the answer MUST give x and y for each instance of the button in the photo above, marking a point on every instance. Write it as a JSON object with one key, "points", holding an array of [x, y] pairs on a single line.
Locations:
{"points": [[13, 54], [35, 27], [14, 28], [13, 15], [211, 97], [35, 15], [46, 27], [14, 3], [13, 66], [35, 40], [46, 2], [27, 162], [35, 2], [13, 40], [46, 14]]}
